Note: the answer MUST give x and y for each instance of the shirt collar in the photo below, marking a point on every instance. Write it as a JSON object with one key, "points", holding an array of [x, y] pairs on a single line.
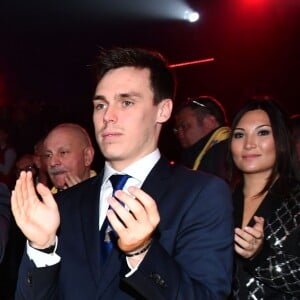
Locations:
{"points": [[138, 170]]}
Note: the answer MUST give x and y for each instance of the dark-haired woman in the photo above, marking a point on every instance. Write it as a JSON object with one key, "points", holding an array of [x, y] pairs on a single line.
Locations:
{"points": [[267, 204]]}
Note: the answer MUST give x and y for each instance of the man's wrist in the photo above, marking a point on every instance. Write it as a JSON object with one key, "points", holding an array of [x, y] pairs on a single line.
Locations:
{"points": [[48, 250], [140, 250]]}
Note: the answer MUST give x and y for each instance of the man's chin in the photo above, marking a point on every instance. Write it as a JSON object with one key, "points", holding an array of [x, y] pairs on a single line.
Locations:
{"points": [[114, 157], [59, 184], [60, 187]]}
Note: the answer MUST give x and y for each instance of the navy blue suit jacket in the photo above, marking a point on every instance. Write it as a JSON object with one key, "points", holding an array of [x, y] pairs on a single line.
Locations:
{"points": [[190, 258]]}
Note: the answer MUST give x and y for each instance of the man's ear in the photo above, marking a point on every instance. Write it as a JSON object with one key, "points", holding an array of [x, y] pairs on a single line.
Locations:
{"points": [[210, 122], [164, 110], [88, 156]]}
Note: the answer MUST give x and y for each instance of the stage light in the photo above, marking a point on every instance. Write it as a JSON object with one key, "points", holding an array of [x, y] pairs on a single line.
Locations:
{"points": [[191, 16], [154, 9]]}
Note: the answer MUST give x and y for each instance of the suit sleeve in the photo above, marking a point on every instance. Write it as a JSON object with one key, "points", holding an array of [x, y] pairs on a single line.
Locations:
{"points": [[36, 283], [199, 265], [5, 218]]}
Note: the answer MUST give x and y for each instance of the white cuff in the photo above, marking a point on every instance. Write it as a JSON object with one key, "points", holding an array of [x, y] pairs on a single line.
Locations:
{"points": [[40, 258], [132, 270]]}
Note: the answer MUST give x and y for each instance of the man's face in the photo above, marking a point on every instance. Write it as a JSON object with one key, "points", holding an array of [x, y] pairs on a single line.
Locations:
{"points": [[127, 123], [189, 129], [64, 153]]}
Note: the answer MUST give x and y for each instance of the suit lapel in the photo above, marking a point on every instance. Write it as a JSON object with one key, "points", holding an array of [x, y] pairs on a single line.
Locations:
{"points": [[109, 272], [90, 227], [157, 182]]}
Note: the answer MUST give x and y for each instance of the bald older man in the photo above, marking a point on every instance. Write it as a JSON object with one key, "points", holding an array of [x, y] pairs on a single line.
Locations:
{"points": [[68, 154]]}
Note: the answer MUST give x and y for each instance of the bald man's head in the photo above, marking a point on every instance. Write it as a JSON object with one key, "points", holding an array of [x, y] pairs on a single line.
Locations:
{"points": [[69, 154]]}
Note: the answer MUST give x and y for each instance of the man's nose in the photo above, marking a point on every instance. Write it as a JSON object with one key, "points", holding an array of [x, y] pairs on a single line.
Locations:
{"points": [[110, 114], [54, 160]]}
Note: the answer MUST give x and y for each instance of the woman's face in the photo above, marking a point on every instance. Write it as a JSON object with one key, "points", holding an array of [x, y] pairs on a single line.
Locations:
{"points": [[252, 145]]}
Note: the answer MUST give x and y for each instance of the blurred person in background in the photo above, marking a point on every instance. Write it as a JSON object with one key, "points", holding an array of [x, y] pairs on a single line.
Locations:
{"points": [[5, 218], [8, 271], [8, 157], [202, 131], [26, 163], [40, 163], [16, 240]]}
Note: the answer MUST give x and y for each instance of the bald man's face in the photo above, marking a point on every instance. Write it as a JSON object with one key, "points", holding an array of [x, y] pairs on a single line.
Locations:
{"points": [[67, 157]]}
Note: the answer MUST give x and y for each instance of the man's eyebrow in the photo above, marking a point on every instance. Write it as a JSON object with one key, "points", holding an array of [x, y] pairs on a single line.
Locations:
{"points": [[120, 96], [98, 97], [124, 95], [129, 95], [47, 152]]}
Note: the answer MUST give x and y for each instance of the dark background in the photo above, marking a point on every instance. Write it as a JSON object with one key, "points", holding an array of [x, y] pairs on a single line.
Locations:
{"points": [[47, 49]]}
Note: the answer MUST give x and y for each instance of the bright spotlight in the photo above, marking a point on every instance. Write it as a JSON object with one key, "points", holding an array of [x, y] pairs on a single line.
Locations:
{"points": [[191, 16]]}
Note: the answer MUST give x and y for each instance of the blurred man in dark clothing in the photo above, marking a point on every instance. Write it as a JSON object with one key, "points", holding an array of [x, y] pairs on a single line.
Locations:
{"points": [[5, 218], [5, 232], [201, 129]]}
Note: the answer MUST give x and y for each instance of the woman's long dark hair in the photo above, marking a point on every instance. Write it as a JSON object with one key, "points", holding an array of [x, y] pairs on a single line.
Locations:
{"points": [[285, 165]]}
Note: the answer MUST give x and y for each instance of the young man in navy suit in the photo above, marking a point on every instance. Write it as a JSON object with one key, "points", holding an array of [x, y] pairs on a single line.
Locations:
{"points": [[172, 227]]}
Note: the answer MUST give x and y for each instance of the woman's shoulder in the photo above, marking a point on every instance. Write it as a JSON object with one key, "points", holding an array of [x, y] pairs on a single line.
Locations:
{"points": [[294, 190]]}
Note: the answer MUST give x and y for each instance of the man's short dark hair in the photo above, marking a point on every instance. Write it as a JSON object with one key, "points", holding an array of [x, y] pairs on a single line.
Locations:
{"points": [[161, 77], [206, 105]]}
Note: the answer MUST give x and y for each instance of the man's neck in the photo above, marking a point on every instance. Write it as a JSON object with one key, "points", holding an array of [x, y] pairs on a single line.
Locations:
{"points": [[119, 166]]}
